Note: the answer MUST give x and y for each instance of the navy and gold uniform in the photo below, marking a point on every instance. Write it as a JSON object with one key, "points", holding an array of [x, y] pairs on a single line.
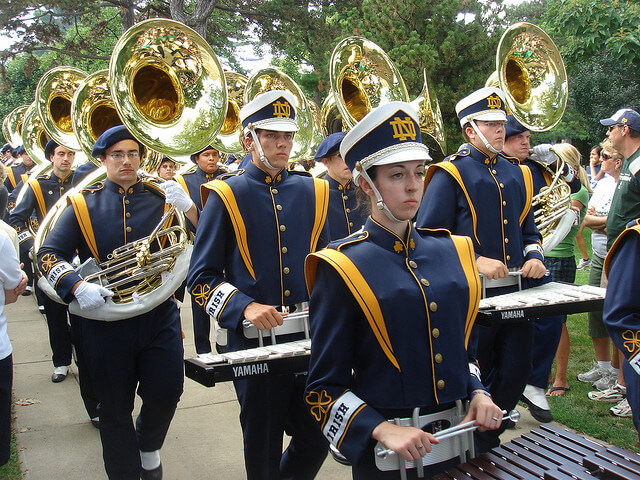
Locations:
{"points": [[15, 175], [621, 312], [143, 352], [345, 216], [40, 195], [488, 199], [82, 171], [397, 340], [252, 238], [191, 181]]}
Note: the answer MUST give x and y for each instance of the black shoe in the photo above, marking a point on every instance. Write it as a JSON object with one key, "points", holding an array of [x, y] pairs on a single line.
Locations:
{"points": [[59, 374], [540, 414], [155, 474], [95, 421], [27, 291]]}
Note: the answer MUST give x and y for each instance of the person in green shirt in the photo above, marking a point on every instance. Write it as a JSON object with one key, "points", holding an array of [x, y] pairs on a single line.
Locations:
{"points": [[561, 261], [624, 133]]}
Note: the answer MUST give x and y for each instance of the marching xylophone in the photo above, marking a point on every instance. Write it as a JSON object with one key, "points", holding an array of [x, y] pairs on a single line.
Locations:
{"points": [[278, 359], [554, 298], [549, 453]]}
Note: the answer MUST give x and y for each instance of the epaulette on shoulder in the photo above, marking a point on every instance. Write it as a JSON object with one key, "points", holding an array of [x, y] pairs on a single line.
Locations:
{"points": [[230, 174], [94, 187], [350, 240], [513, 160], [44, 176], [633, 223], [463, 152], [434, 231], [298, 172]]}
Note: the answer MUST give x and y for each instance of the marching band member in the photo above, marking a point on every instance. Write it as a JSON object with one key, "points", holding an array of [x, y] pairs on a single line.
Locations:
{"points": [[19, 173], [398, 339], [40, 195], [167, 168], [517, 146], [345, 216], [143, 353], [256, 228], [207, 168], [621, 312], [479, 193], [6, 154]]}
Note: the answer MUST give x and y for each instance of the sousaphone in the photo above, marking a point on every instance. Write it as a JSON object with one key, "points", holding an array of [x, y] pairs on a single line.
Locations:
{"points": [[12, 126], [363, 77], [53, 97], [531, 73], [229, 140], [168, 87]]}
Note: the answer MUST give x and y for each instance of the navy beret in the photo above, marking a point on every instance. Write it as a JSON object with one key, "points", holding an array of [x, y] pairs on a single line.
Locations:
{"points": [[49, 148], [329, 145], [112, 136], [513, 127], [20, 150], [208, 147]]}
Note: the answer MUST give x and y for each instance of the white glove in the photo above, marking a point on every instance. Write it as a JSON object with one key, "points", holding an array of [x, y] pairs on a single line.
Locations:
{"points": [[90, 295], [176, 196], [542, 154]]}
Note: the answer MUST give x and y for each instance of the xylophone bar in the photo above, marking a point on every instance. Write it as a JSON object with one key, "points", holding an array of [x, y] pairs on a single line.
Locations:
{"points": [[549, 453], [279, 359]]}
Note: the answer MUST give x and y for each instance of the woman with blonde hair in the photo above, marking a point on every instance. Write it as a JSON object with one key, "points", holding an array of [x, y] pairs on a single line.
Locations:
{"points": [[561, 261]]}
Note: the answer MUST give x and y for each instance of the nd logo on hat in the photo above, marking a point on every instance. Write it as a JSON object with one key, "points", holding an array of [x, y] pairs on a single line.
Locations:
{"points": [[281, 109]]}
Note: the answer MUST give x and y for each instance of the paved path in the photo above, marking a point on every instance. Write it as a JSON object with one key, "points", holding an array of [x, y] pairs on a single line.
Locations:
{"points": [[57, 442]]}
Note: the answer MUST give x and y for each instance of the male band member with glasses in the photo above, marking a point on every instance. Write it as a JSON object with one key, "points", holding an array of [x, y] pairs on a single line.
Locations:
{"points": [[144, 353], [207, 168], [624, 134], [257, 226], [40, 195], [517, 146], [479, 193], [345, 216]]}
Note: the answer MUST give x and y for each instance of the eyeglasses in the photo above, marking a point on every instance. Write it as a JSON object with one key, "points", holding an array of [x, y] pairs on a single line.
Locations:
{"points": [[119, 156]]}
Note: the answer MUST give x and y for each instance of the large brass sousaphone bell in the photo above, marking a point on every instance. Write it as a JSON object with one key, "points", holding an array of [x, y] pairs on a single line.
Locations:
{"points": [[363, 77], [168, 87], [531, 72], [54, 93], [92, 110], [12, 126], [229, 138], [34, 135]]}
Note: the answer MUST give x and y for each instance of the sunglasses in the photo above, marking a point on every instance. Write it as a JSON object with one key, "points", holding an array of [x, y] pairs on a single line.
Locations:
{"points": [[605, 156], [611, 127]]}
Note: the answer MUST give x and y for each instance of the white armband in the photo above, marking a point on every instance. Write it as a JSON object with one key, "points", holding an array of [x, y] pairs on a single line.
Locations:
{"points": [[24, 235], [532, 247], [474, 370], [218, 299], [570, 175], [339, 418], [58, 271]]}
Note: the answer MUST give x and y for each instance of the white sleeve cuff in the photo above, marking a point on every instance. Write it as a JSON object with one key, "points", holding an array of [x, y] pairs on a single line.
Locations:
{"points": [[532, 247], [219, 298]]}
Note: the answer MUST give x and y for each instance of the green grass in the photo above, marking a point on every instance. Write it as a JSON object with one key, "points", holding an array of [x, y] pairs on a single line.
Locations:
{"points": [[574, 409]]}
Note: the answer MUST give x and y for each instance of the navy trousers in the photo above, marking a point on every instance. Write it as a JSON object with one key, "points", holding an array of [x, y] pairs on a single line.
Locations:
{"points": [[59, 332], [87, 392], [270, 406], [143, 353], [6, 383], [504, 356]]}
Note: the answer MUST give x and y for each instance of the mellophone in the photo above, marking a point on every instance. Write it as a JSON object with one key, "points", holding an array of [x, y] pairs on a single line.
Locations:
{"points": [[553, 298], [549, 453]]}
